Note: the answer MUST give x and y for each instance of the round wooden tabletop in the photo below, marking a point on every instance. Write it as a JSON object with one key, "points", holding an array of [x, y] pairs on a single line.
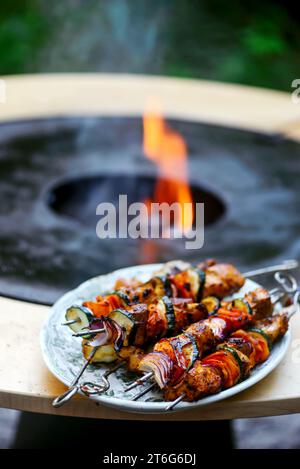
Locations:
{"points": [[25, 382]]}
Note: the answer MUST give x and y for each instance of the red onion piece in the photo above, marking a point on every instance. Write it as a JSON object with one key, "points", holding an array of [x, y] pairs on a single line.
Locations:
{"points": [[113, 332], [96, 323], [160, 364], [103, 338], [119, 334]]}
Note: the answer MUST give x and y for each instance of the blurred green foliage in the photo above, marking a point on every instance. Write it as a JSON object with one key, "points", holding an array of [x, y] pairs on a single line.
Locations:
{"points": [[23, 29], [255, 43]]}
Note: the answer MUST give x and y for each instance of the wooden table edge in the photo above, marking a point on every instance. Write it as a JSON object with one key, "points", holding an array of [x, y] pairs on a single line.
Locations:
{"points": [[83, 407]]}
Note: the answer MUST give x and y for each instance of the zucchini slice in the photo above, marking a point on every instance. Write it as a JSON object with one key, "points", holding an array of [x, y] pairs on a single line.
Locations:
{"points": [[125, 320], [201, 283], [104, 353], [161, 285], [212, 304], [83, 317], [165, 286], [123, 296], [170, 314], [185, 349], [242, 305]]}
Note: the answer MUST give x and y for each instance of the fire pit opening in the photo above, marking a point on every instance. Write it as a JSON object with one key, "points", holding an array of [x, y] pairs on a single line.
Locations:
{"points": [[77, 199]]}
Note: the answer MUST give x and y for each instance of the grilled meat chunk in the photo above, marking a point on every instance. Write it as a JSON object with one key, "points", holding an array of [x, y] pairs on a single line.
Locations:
{"points": [[260, 301], [222, 280]]}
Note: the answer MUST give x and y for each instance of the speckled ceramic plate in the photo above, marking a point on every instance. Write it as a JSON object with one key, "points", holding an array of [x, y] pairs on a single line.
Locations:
{"points": [[63, 357]]}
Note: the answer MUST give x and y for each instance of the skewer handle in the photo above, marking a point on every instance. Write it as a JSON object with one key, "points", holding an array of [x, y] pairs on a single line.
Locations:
{"points": [[286, 281], [89, 389], [65, 396], [74, 387], [294, 308]]}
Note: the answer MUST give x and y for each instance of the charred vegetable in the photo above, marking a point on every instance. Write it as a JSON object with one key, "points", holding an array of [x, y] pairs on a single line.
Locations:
{"points": [[189, 283], [242, 305], [160, 365], [125, 320], [104, 354], [235, 356], [212, 304], [169, 312], [125, 299], [112, 333], [207, 333]]}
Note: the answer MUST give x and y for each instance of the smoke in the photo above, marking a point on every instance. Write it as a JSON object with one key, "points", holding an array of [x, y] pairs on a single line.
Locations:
{"points": [[115, 36]]}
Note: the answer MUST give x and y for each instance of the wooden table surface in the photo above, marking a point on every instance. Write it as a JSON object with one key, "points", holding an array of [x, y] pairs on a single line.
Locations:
{"points": [[25, 382]]}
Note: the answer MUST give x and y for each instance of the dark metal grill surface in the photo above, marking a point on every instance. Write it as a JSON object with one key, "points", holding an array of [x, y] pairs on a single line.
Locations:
{"points": [[44, 252]]}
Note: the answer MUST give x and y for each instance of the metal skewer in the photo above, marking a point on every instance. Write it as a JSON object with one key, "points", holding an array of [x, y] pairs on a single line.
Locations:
{"points": [[74, 386], [139, 381], [92, 388], [287, 281], [144, 391], [88, 332], [290, 311], [288, 284], [68, 323], [276, 295], [175, 402], [289, 264]]}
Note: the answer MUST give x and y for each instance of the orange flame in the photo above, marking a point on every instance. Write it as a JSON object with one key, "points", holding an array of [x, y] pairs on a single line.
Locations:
{"points": [[167, 149]]}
